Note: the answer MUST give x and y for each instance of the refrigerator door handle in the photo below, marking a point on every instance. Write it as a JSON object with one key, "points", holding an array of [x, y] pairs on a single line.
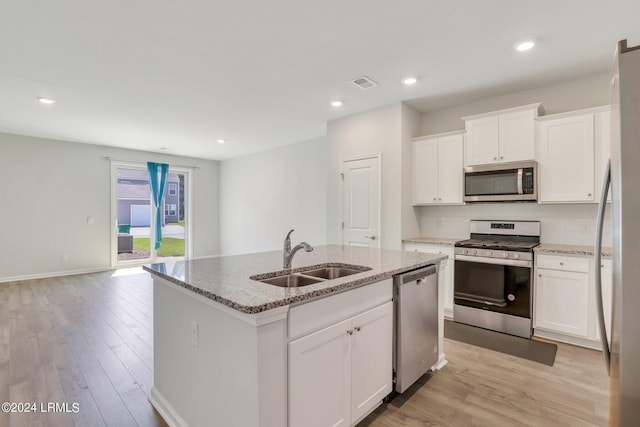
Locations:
{"points": [[598, 257]]}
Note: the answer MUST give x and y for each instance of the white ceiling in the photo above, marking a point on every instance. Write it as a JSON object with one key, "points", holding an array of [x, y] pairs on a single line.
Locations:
{"points": [[261, 73]]}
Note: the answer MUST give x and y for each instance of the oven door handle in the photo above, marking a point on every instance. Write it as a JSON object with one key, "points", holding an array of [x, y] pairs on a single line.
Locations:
{"points": [[497, 261]]}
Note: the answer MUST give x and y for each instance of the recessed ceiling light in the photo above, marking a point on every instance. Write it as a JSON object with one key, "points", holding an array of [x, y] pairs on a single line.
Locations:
{"points": [[524, 46], [336, 103], [47, 101], [220, 141], [410, 81]]}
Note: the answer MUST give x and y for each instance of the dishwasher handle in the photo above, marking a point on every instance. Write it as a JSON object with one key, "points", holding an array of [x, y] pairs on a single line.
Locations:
{"points": [[413, 275]]}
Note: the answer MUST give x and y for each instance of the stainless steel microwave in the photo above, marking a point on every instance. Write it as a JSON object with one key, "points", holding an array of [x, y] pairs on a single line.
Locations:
{"points": [[504, 182]]}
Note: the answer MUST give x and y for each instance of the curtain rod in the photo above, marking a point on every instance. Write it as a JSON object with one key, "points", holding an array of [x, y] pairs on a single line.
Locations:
{"points": [[139, 161]]}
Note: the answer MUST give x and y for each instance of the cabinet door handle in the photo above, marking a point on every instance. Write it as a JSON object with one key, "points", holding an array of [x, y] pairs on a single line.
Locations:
{"points": [[357, 328], [589, 194], [370, 237], [495, 158], [350, 332], [561, 263], [539, 275], [501, 158]]}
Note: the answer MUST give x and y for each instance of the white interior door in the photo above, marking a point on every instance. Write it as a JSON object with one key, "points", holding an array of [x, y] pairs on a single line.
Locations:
{"points": [[361, 202]]}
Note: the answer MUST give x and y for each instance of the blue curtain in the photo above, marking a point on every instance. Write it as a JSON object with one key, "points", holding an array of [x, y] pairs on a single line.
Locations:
{"points": [[158, 173]]}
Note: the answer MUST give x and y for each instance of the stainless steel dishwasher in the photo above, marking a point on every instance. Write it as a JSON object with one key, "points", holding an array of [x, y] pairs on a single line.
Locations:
{"points": [[416, 331]]}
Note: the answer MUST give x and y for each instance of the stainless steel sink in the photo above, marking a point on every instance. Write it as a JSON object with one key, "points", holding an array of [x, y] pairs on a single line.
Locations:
{"points": [[316, 274], [331, 272], [291, 280]]}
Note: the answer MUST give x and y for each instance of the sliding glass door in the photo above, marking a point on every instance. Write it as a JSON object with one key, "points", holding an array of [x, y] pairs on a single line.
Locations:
{"points": [[133, 241]]}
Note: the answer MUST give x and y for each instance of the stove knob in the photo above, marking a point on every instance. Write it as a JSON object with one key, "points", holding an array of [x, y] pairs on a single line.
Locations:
{"points": [[466, 251], [516, 256], [489, 253], [505, 254], [475, 252]]}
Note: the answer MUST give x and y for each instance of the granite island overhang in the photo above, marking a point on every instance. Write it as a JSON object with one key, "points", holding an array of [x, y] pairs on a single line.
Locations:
{"points": [[220, 338]]}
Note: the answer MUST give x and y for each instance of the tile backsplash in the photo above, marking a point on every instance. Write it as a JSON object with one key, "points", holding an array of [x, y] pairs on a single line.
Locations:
{"points": [[573, 224]]}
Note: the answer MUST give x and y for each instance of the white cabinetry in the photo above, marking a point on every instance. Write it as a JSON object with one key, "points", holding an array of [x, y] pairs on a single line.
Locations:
{"points": [[566, 159], [562, 295], [572, 154], [437, 169], [341, 372], [565, 304], [501, 136]]}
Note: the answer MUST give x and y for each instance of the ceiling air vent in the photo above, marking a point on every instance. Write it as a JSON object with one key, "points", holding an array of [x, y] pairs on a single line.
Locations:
{"points": [[364, 82]]}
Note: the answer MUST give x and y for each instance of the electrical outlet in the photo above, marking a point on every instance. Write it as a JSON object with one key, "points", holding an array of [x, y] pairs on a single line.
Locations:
{"points": [[89, 220], [194, 333], [64, 257]]}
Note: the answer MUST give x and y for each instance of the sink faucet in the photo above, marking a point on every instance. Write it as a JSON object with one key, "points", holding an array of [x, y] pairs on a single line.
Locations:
{"points": [[289, 253]]}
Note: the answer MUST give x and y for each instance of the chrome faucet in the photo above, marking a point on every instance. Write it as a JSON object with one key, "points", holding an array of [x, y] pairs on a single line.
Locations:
{"points": [[289, 253]]}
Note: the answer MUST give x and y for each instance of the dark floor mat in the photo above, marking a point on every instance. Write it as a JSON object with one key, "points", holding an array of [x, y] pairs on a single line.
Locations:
{"points": [[537, 351]]}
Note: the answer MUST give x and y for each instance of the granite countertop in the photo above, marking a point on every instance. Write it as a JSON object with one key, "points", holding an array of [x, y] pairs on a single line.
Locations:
{"points": [[432, 240], [548, 248], [226, 279]]}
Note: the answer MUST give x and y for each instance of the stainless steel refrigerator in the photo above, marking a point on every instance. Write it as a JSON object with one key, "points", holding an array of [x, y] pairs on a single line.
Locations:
{"points": [[622, 349]]}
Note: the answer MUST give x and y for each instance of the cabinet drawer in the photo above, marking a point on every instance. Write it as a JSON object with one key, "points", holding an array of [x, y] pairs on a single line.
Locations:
{"points": [[564, 263], [314, 315]]}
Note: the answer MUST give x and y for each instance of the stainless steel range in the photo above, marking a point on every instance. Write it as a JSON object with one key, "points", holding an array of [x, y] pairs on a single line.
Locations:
{"points": [[493, 283]]}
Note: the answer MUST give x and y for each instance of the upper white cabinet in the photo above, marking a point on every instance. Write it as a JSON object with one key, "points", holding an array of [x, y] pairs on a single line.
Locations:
{"points": [[437, 169], [501, 136], [572, 154], [566, 159]]}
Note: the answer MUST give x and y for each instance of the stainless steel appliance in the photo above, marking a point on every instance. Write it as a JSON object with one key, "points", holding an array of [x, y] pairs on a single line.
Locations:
{"points": [[622, 351], [504, 182], [416, 333], [493, 281]]}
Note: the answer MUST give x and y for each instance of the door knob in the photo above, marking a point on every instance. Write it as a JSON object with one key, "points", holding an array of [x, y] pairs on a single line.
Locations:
{"points": [[370, 237]]}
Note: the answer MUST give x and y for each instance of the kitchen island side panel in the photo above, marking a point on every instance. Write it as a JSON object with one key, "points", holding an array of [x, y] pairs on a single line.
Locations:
{"points": [[228, 370]]}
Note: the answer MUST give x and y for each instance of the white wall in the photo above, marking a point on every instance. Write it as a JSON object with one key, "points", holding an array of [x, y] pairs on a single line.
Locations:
{"points": [[265, 195], [561, 224], [375, 131], [411, 216], [591, 91], [50, 187], [571, 224]]}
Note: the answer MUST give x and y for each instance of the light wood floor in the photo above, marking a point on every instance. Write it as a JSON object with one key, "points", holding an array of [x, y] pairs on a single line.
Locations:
{"points": [[87, 339]]}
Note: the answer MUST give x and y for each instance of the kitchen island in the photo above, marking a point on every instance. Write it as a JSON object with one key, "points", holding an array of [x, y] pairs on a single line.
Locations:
{"points": [[229, 350]]}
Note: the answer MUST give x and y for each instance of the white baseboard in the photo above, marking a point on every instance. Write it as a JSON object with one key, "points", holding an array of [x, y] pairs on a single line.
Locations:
{"points": [[165, 410], [582, 342], [52, 274], [440, 363]]}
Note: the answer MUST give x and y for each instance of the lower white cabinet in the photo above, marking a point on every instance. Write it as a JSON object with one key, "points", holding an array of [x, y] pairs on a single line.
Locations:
{"points": [[565, 304], [562, 295], [445, 272], [339, 373]]}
